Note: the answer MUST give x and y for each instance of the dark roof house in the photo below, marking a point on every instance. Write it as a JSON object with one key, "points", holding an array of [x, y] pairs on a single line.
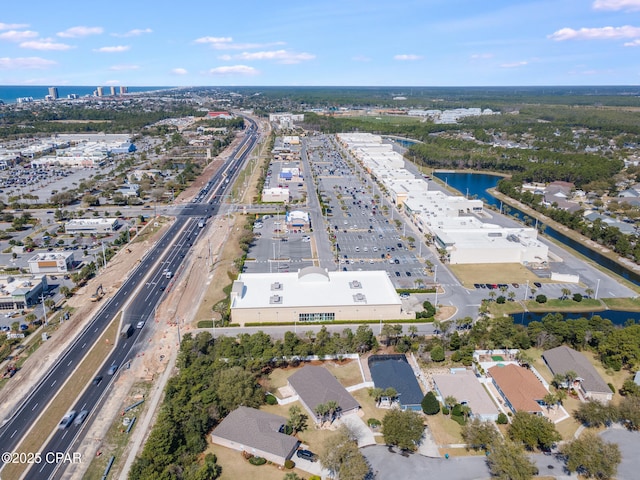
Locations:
{"points": [[315, 385], [250, 430], [563, 359], [394, 371]]}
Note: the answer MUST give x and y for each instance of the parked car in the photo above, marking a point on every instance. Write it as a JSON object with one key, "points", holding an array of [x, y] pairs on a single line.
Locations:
{"points": [[307, 455]]}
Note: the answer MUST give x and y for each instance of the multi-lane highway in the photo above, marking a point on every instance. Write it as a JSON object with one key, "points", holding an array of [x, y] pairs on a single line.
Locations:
{"points": [[140, 293]]}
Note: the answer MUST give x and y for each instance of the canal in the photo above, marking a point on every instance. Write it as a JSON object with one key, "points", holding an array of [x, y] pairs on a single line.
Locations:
{"points": [[477, 184]]}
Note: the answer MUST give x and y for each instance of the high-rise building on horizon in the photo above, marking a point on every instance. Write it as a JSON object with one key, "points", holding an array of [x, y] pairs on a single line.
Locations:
{"points": [[100, 91], [123, 90], [113, 91], [53, 92]]}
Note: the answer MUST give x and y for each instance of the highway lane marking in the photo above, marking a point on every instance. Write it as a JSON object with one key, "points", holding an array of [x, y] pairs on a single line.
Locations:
{"points": [[84, 345], [54, 382], [13, 434], [69, 364], [34, 407]]}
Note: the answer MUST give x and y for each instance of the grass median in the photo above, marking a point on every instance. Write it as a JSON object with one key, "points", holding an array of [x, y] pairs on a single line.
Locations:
{"points": [[63, 401]]}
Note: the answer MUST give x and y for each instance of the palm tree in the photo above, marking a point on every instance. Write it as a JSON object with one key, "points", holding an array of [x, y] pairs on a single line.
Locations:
{"points": [[549, 399], [588, 292], [492, 295], [565, 293], [511, 295], [465, 410], [450, 402], [413, 331], [321, 411], [571, 377], [333, 408], [376, 394], [560, 396]]}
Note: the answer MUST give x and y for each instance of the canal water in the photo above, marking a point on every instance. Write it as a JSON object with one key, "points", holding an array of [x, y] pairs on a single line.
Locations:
{"points": [[478, 183], [616, 317]]}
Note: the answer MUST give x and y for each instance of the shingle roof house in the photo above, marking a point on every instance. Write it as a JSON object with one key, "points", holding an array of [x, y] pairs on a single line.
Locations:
{"points": [[315, 385], [519, 387], [256, 432], [562, 359]]}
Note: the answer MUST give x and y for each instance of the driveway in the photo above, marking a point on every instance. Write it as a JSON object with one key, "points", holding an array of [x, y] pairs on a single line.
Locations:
{"points": [[386, 464], [359, 428], [629, 443]]}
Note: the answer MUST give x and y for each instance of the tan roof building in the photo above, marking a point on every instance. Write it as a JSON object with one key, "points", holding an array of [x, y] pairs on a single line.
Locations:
{"points": [[519, 387], [467, 390]]}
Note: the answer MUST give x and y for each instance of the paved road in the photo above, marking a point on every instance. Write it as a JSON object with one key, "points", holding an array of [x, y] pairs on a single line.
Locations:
{"points": [[167, 254], [386, 464]]}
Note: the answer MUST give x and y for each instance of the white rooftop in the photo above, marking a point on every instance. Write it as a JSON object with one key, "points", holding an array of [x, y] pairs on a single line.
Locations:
{"points": [[313, 286]]}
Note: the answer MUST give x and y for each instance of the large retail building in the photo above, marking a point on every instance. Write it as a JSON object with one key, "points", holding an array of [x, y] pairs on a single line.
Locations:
{"points": [[314, 294]]}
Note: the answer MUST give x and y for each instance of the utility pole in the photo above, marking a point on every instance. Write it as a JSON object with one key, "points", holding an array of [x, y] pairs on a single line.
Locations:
{"points": [[44, 309]]}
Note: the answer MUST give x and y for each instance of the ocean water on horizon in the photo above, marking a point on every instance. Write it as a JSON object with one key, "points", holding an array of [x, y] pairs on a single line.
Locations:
{"points": [[9, 93]]}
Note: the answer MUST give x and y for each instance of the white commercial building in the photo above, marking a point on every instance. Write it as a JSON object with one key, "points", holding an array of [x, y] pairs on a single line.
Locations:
{"points": [[51, 262], [92, 225], [314, 294], [453, 220], [20, 291], [276, 195]]}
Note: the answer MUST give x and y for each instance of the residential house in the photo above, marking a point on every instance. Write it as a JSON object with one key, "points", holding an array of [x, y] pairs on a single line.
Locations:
{"points": [[519, 387], [563, 359], [256, 432], [315, 386]]}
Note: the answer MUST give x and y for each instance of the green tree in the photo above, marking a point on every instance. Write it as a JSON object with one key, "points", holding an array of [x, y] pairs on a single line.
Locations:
{"points": [[592, 457], [629, 412], [430, 404], [595, 414], [341, 457], [533, 431], [297, 419], [402, 428], [376, 393], [508, 461], [478, 435], [437, 353]]}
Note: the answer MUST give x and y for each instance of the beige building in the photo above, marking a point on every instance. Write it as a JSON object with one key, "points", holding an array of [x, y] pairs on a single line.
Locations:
{"points": [[314, 294]]}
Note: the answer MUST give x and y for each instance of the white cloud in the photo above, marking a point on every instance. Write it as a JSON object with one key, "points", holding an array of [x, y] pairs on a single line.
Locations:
{"points": [[45, 45], [24, 62], [616, 5], [75, 32], [225, 58], [113, 82], [634, 43], [481, 56], [136, 32], [514, 64], [602, 33], [234, 70], [18, 36], [12, 26], [214, 40], [226, 43], [114, 49], [179, 71], [118, 68], [407, 57], [361, 58], [280, 56]]}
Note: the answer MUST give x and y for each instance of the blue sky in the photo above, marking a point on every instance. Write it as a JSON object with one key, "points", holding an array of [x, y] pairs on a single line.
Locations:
{"points": [[321, 42]]}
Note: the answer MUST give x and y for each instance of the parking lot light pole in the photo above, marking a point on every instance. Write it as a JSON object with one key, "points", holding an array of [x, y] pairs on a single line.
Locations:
{"points": [[435, 282], [597, 288], [526, 291]]}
